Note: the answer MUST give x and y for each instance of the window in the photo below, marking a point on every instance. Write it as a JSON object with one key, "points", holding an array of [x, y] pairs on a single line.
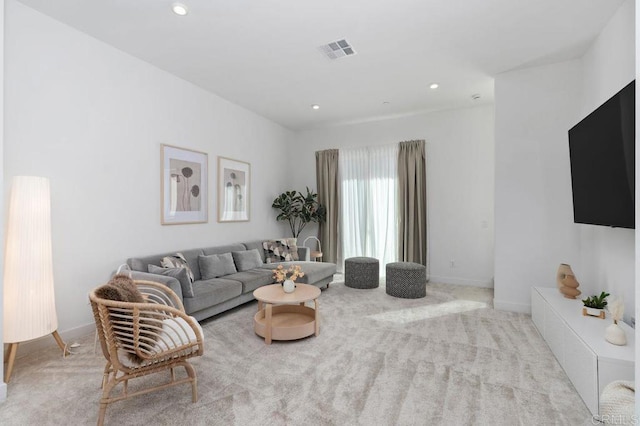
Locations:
{"points": [[369, 202]]}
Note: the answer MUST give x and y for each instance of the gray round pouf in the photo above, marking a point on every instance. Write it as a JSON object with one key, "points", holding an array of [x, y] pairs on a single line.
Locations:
{"points": [[361, 272], [407, 280]]}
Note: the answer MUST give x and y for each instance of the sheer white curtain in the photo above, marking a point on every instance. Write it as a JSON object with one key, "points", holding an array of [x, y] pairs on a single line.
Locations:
{"points": [[369, 203]]}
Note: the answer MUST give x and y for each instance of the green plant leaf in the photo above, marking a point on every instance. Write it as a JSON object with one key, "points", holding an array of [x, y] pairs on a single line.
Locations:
{"points": [[299, 209], [596, 302]]}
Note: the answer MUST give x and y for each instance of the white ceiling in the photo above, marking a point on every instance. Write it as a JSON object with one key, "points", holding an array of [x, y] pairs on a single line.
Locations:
{"points": [[263, 54]]}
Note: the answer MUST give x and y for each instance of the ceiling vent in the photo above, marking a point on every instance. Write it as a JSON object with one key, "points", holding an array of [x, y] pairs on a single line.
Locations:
{"points": [[337, 49]]}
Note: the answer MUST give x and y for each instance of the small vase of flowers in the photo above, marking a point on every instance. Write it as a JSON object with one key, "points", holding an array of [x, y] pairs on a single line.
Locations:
{"points": [[287, 276]]}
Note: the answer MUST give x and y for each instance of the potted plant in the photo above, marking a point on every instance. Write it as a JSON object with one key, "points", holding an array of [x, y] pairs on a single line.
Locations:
{"points": [[299, 209], [594, 305]]}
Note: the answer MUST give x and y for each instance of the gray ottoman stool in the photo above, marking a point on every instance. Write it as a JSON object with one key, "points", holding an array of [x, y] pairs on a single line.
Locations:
{"points": [[361, 272], [407, 280]]}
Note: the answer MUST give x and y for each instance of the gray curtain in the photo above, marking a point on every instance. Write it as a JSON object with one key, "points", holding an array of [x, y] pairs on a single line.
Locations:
{"points": [[329, 196], [412, 199]]}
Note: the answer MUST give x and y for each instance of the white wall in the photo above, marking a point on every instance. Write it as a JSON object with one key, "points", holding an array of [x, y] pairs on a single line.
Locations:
{"points": [[459, 151], [534, 218], [608, 66], [533, 212], [92, 119]]}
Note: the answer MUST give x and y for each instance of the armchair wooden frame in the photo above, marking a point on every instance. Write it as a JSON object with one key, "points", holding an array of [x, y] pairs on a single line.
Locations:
{"points": [[157, 333]]}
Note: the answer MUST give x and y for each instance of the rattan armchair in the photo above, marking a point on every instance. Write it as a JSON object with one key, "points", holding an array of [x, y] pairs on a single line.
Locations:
{"points": [[138, 339]]}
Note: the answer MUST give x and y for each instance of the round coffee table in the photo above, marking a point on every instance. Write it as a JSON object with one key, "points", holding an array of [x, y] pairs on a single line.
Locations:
{"points": [[284, 316]]}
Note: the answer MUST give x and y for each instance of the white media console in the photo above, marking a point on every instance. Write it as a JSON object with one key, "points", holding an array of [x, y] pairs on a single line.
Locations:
{"points": [[578, 344]]}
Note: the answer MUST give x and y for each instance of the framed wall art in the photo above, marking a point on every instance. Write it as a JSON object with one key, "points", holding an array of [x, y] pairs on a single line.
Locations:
{"points": [[184, 185], [234, 179]]}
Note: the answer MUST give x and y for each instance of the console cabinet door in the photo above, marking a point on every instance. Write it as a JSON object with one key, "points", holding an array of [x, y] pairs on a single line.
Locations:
{"points": [[554, 327], [581, 366], [537, 311]]}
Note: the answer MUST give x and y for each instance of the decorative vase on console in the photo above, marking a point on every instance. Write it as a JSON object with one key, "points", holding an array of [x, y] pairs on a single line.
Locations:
{"points": [[567, 283], [614, 333]]}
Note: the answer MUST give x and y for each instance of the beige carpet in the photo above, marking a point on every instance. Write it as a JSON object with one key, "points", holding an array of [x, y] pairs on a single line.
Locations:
{"points": [[447, 359]]}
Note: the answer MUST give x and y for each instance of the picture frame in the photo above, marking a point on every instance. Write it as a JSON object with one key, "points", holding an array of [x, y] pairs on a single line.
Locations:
{"points": [[184, 185], [234, 190]]}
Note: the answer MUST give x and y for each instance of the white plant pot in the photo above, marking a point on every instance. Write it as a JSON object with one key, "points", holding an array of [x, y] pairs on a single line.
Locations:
{"points": [[593, 312]]}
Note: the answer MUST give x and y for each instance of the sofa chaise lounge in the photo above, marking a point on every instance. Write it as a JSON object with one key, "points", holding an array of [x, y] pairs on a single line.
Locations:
{"points": [[212, 293]]}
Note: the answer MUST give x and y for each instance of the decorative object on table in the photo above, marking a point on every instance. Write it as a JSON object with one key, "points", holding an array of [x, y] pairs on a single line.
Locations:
{"points": [[29, 301], [287, 277], [614, 333], [567, 282], [594, 305], [299, 210], [234, 179], [288, 286], [315, 254], [184, 185]]}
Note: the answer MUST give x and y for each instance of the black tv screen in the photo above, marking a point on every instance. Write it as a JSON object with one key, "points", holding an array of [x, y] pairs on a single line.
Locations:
{"points": [[602, 154]]}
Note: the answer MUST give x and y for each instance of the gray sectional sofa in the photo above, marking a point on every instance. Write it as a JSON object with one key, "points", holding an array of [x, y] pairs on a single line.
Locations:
{"points": [[215, 295]]}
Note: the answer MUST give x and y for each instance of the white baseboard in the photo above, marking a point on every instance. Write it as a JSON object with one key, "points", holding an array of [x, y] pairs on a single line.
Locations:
{"points": [[511, 307], [486, 283], [44, 342]]}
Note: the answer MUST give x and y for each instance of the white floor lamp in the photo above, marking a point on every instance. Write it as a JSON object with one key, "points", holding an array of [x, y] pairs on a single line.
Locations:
{"points": [[29, 302]]}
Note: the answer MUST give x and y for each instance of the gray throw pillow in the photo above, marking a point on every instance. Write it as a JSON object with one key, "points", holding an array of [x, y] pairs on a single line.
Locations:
{"points": [[248, 259], [216, 265], [180, 274]]}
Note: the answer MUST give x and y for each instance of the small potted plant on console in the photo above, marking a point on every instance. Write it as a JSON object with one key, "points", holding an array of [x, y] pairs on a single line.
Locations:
{"points": [[594, 305]]}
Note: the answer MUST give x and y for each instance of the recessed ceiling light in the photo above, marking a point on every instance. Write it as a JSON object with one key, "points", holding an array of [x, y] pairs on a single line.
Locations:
{"points": [[433, 86], [179, 9], [314, 106]]}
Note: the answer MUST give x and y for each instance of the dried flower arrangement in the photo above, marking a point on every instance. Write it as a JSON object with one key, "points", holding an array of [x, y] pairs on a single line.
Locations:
{"points": [[616, 308], [281, 274]]}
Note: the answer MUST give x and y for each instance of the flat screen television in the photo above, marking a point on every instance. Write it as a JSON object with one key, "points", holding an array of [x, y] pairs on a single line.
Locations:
{"points": [[602, 155]]}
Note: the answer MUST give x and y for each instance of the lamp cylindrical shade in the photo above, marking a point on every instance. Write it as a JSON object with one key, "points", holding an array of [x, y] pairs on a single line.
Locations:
{"points": [[29, 302]]}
